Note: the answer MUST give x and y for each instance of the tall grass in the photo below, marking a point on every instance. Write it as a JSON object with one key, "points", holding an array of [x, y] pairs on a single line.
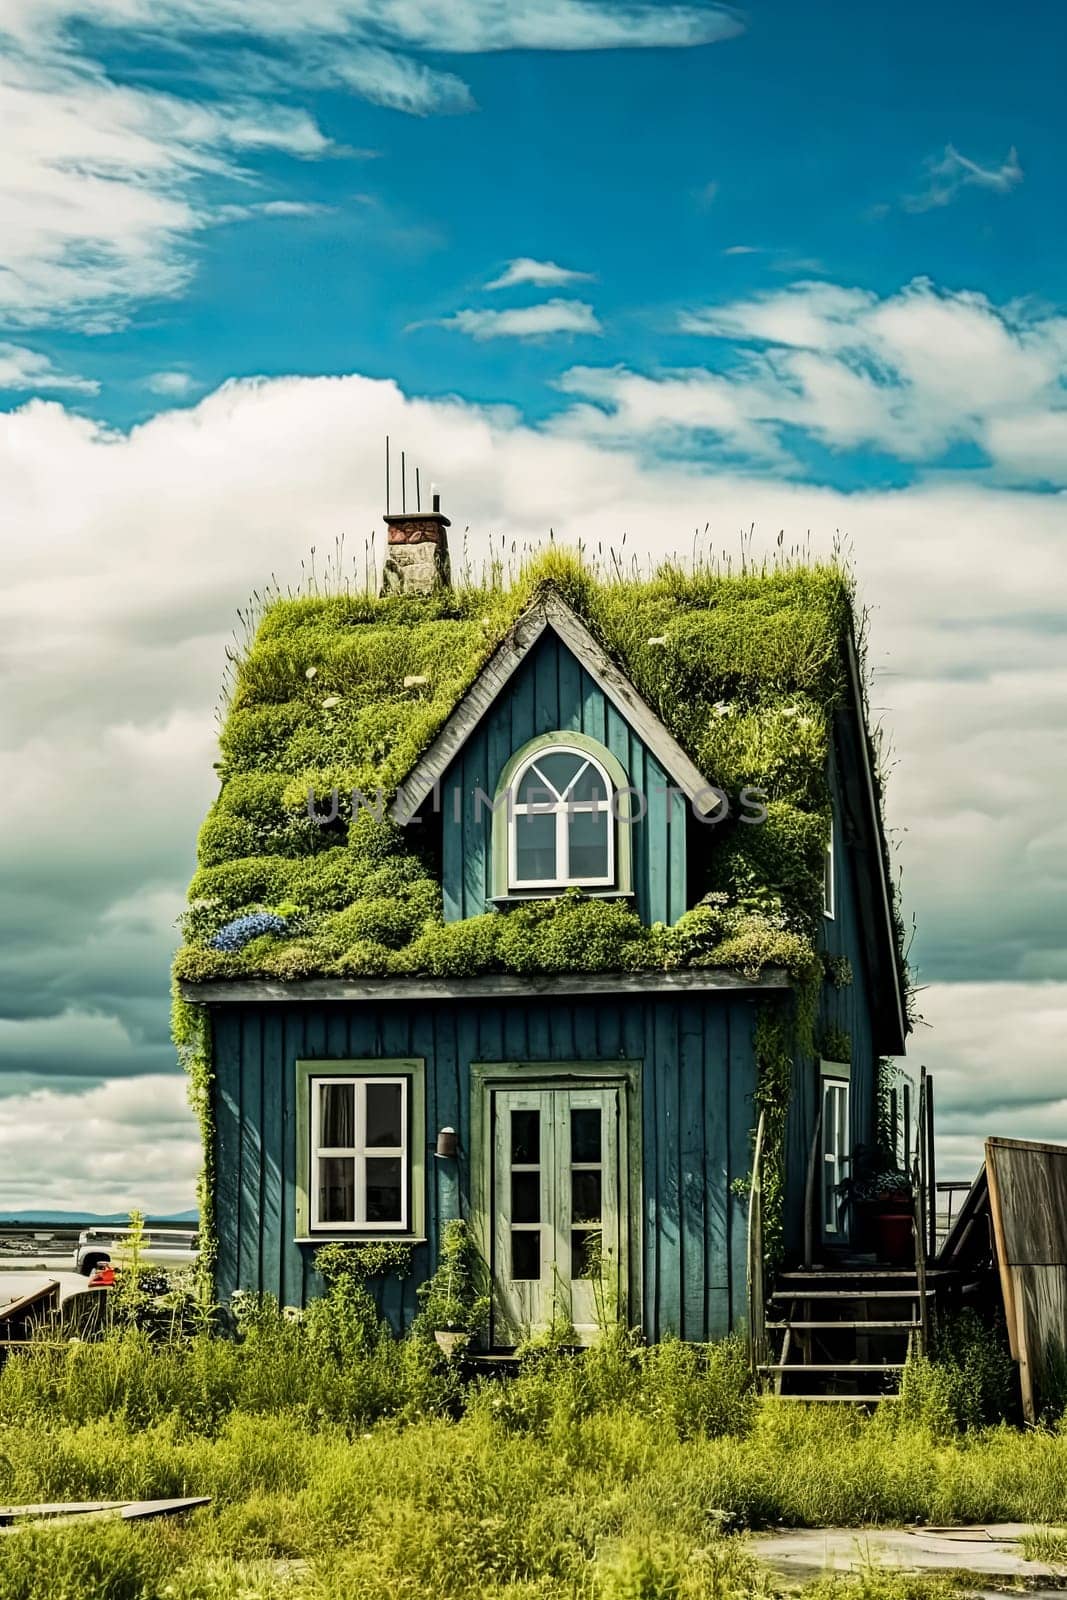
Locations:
{"points": [[341, 1462]]}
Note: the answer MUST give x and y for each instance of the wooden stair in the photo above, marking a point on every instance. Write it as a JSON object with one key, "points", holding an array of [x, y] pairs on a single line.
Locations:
{"points": [[842, 1333]]}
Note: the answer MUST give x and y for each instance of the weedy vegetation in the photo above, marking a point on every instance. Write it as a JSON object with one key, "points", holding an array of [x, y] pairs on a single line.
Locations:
{"points": [[343, 1462]]}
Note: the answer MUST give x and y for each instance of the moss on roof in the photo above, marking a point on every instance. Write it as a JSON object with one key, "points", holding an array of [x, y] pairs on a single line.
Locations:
{"points": [[744, 670]]}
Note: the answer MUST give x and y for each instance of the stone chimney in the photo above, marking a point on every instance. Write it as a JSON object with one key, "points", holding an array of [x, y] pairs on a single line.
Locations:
{"points": [[417, 560]]}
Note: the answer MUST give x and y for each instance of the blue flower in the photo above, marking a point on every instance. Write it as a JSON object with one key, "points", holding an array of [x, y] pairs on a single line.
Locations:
{"points": [[235, 935]]}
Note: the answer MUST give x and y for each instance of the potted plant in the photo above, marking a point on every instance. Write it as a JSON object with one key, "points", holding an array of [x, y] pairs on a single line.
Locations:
{"points": [[880, 1196], [453, 1306]]}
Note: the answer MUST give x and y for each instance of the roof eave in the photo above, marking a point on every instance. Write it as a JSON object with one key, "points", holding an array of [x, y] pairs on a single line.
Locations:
{"points": [[890, 1021], [487, 986]]}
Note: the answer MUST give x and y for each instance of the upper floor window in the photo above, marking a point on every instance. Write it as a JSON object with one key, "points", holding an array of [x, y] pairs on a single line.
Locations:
{"points": [[829, 886], [561, 821]]}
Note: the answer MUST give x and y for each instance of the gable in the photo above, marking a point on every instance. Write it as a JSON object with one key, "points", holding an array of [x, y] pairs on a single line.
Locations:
{"points": [[552, 691], [551, 613]]}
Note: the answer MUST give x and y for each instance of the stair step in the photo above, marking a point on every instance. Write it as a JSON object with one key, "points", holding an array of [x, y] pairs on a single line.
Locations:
{"points": [[811, 1274], [848, 1294], [862, 1327], [839, 1399], [834, 1367]]}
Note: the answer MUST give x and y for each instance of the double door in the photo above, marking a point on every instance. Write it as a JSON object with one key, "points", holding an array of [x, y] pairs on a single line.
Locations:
{"points": [[557, 1198]]}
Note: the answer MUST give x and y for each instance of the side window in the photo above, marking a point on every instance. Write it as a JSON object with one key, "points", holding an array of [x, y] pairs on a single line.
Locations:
{"points": [[360, 1148]]}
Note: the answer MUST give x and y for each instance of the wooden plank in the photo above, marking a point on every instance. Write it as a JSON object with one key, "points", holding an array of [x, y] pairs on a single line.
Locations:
{"points": [[741, 1115], [493, 985], [295, 1048], [716, 1052], [568, 691], [667, 1173], [546, 685], [651, 1211], [594, 709], [694, 1175], [522, 708], [226, 1106], [272, 1094], [472, 775], [1028, 1205], [251, 1096]]}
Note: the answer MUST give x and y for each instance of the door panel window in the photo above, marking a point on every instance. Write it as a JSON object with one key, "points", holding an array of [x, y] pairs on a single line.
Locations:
{"points": [[556, 1203], [835, 1149]]}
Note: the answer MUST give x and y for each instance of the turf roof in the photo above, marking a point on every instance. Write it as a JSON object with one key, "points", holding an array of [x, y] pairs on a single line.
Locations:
{"points": [[744, 670]]}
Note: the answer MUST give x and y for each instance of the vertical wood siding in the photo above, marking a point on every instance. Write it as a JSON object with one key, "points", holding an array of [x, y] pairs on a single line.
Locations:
{"points": [[846, 1009], [698, 1080], [551, 691]]}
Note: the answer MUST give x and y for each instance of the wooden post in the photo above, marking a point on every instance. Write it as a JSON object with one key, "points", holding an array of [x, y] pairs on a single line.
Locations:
{"points": [[931, 1171], [922, 1151], [756, 1310], [920, 1261]]}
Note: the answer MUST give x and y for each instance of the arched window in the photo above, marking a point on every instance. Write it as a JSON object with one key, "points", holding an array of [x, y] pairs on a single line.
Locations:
{"points": [[561, 820]]}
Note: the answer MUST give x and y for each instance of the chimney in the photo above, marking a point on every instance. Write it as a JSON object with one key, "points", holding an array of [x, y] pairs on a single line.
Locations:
{"points": [[417, 561]]}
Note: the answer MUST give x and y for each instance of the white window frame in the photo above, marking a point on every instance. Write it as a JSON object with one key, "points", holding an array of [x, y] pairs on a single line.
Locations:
{"points": [[359, 1151], [836, 1092], [829, 881], [563, 809]]}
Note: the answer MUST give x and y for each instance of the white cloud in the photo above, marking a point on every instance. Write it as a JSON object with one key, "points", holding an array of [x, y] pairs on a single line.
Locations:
{"points": [[102, 184], [130, 1142], [543, 274], [269, 208], [402, 83], [999, 1049], [176, 385], [30, 369], [911, 374], [126, 556], [526, 322], [462, 26], [950, 173], [99, 190]]}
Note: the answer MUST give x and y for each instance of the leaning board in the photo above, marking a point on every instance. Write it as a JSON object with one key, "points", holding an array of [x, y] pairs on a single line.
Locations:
{"points": [[1028, 1202]]}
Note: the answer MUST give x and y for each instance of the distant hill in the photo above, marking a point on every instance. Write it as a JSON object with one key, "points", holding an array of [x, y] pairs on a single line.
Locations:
{"points": [[88, 1219]]}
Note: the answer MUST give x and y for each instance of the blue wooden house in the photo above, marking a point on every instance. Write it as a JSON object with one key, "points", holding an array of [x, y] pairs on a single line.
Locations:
{"points": [[519, 905]]}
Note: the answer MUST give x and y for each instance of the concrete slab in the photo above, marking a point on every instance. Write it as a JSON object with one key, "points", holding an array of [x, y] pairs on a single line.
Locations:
{"points": [[990, 1551]]}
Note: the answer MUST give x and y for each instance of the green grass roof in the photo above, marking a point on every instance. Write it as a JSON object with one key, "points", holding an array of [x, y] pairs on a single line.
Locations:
{"points": [[746, 679]]}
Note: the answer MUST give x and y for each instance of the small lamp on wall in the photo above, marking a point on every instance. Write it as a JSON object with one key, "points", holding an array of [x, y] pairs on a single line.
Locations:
{"points": [[447, 1144]]}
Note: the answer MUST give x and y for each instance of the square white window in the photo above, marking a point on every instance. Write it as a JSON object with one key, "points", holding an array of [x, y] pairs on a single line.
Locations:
{"points": [[360, 1150]]}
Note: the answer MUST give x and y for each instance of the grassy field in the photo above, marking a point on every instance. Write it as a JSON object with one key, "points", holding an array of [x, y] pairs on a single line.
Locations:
{"points": [[343, 1465]]}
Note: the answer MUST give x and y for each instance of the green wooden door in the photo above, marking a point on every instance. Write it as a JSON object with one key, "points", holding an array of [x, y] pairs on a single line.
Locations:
{"points": [[556, 1194]]}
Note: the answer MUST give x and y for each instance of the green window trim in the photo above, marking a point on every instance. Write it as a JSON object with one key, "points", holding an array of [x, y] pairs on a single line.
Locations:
{"points": [[414, 1070], [625, 1076], [623, 816]]}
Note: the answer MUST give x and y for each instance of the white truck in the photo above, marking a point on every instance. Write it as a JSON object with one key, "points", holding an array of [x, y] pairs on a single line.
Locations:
{"points": [[160, 1247]]}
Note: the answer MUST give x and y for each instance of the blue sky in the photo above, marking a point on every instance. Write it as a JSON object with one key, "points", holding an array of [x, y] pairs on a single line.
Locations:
{"points": [[807, 139], [599, 267]]}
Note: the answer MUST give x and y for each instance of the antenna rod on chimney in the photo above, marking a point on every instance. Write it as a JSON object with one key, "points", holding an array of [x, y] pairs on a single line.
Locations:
{"points": [[403, 484], [418, 492], [387, 474]]}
